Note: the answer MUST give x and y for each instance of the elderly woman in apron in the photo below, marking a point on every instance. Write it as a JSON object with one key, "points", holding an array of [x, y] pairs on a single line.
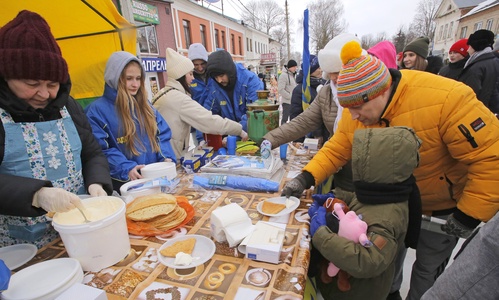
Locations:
{"points": [[47, 151]]}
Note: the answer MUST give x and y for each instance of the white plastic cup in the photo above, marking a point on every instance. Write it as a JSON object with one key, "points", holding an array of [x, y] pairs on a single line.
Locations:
{"points": [[99, 244]]}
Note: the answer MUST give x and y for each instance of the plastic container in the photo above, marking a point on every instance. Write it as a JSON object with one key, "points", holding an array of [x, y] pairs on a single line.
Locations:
{"points": [[160, 169], [213, 140], [129, 195], [98, 244]]}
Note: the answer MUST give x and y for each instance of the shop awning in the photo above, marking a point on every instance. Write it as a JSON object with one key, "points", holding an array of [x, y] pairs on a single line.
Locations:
{"points": [[87, 31]]}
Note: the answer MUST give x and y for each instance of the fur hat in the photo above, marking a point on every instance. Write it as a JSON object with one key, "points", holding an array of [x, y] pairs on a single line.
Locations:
{"points": [[420, 46], [197, 51], [362, 77], [481, 39], [460, 47], [291, 63], [329, 57], [177, 65], [28, 50]]}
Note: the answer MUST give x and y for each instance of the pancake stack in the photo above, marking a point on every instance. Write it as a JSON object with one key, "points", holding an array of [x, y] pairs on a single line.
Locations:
{"points": [[158, 210]]}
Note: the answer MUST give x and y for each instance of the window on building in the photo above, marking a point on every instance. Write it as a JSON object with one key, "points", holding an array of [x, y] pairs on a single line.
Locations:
{"points": [[148, 41], [450, 30], [445, 31], [217, 43], [223, 40], [488, 26], [463, 32], [202, 30], [440, 32], [477, 26], [251, 45], [187, 33], [240, 42], [232, 43], [247, 44]]}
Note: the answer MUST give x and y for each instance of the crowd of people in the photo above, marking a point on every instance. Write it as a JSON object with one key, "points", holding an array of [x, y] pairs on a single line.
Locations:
{"points": [[402, 135]]}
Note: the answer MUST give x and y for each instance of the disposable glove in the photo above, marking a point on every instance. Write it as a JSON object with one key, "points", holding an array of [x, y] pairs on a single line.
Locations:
{"points": [[265, 148], [96, 190], [295, 187], [456, 228], [4, 276], [244, 136], [318, 220], [55, 199]]}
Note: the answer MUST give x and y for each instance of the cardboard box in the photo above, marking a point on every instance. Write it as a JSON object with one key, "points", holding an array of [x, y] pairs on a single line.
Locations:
{"points": [[191, 162], [206, 154], [81, 291], [311, 144], [265, 242]]}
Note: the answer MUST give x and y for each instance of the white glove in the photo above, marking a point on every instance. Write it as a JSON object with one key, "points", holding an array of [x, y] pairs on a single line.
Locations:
{"points": [[55, 199], [244, 136], [96, 190], [265, 148], [201, 144]]}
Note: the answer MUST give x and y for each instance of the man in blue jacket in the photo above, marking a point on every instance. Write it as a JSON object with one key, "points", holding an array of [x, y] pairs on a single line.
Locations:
{"points": [[230, 87]]}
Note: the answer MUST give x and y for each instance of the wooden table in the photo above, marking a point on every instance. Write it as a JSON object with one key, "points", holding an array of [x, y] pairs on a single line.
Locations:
{"points": [[141, 276]]}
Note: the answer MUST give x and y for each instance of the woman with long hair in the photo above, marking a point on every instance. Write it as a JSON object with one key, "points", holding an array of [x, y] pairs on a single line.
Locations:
{"points": [[130, 131], [175, 104]]}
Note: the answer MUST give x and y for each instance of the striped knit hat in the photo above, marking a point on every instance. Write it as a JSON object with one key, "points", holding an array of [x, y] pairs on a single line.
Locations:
{"points": [[362, 77]]}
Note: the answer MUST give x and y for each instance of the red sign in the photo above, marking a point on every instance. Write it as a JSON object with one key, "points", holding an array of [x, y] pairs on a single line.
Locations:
{"points": [[267, 58]]}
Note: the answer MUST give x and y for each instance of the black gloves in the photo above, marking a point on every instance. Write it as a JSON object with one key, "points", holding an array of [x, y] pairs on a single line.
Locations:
{"points": [[297, 185], [456, 228]]}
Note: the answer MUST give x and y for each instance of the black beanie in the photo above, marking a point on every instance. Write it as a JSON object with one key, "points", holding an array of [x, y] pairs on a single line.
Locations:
{"points": [[291, 63], [481, 39], [28, 50]]}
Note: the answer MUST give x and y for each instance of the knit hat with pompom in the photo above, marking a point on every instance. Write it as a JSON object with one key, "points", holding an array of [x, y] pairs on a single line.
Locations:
{"points": [[362, 77]]}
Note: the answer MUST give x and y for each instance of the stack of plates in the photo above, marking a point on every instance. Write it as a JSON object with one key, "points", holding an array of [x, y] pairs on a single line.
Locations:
{"points": [[45, 280], [17, 255]]}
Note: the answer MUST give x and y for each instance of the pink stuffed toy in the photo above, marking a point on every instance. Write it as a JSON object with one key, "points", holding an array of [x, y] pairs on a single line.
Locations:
{"points": [[351, 227]]}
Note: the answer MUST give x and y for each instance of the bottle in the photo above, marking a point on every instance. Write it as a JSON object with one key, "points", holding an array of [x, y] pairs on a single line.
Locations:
{"points": [[231, 145]]}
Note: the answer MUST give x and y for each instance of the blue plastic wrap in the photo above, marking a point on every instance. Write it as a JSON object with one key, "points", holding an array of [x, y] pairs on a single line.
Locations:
{"points": [[233, 182]]}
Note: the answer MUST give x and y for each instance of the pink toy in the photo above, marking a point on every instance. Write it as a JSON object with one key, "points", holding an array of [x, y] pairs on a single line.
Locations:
{"points": [[352, 228]]}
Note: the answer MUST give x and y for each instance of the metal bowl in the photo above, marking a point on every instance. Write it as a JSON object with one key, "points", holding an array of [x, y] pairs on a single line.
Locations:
{"points": [[262, 94]]}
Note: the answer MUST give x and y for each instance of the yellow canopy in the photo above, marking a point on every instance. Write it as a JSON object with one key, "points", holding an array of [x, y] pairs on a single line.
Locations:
{"points": [[87, 32]]}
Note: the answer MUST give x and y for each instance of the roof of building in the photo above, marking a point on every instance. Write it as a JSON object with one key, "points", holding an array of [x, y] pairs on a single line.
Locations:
{"points": [[482, 6]]}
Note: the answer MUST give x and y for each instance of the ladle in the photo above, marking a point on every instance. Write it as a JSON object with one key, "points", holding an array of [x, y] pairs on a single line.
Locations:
{"points": [[83, 214]]}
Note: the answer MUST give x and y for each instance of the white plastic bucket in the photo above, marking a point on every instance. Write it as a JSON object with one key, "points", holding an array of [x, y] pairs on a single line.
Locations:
{"points": [[99, 244]]}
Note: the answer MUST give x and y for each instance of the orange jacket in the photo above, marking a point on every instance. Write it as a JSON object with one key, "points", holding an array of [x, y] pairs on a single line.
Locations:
{"points": [[451, 169]]}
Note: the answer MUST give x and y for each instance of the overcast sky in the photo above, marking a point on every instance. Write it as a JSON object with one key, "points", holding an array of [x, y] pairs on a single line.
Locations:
{"points": [[363, 16]]}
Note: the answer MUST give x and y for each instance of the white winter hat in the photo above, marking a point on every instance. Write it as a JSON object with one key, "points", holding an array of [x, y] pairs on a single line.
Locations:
{"points": [[329, 57], [177, 65], [197, 51]]}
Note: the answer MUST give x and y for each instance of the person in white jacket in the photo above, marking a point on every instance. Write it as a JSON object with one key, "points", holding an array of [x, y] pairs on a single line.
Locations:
{"points": [[285, 86], [176, 106]]}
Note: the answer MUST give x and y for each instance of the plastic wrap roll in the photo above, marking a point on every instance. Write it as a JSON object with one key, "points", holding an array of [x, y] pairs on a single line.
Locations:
{"points": [[231, 182]]}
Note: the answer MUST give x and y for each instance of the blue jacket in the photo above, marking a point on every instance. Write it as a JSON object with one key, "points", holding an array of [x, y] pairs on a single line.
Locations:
{"points": [[217, 100], [198, 87], [105, 124]]}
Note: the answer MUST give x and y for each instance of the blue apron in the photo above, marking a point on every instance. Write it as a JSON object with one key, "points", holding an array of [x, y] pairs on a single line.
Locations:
{"points": [[49, 150]]}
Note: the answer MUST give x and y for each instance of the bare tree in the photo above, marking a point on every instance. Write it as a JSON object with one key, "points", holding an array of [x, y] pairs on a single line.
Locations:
{"points": [[263, 15], [367, 41], [423, 23], [325, 22]]}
